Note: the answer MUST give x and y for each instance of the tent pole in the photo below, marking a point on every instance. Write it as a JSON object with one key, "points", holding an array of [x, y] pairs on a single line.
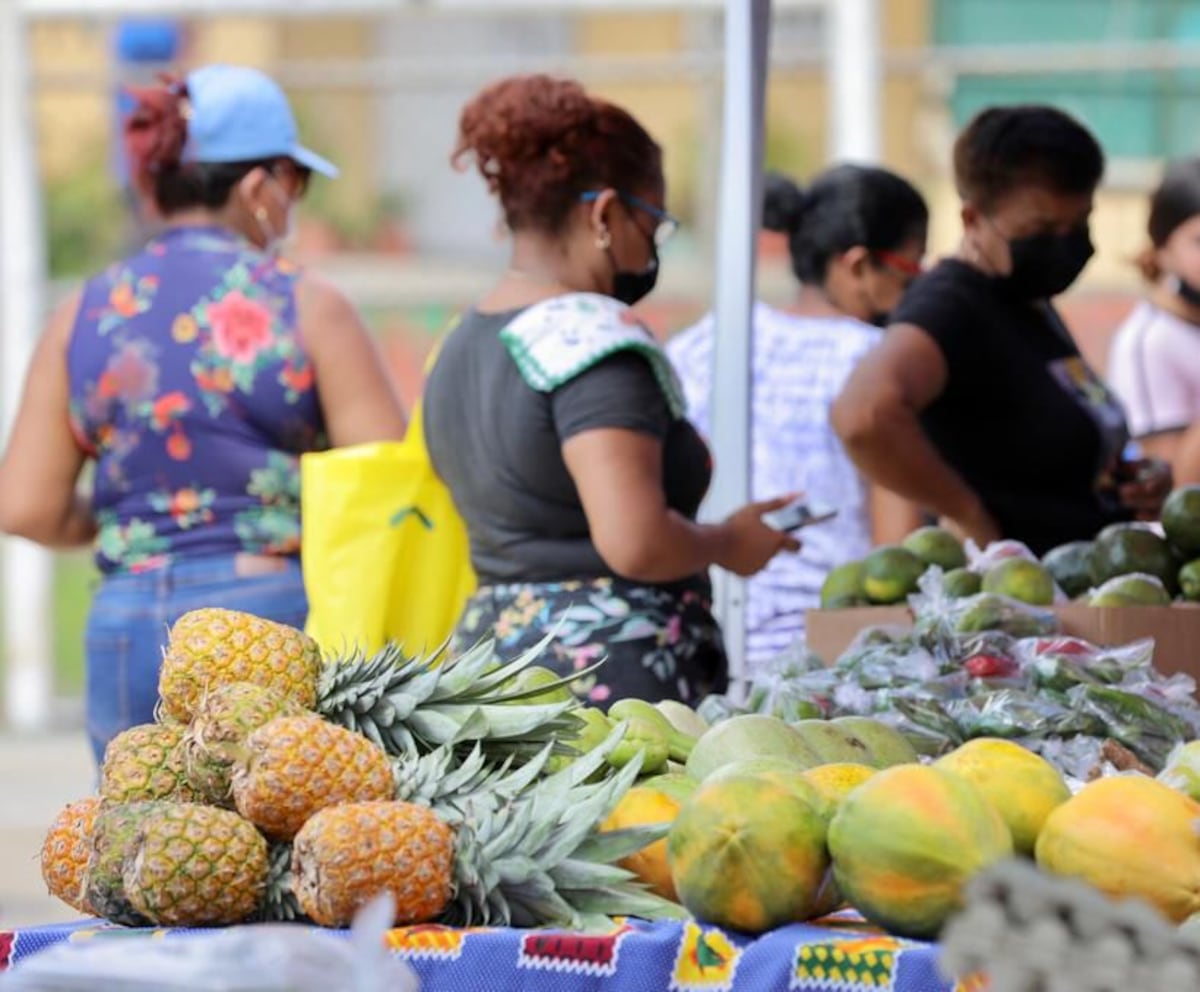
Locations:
{"points": [[27, 569], [747, 30]]}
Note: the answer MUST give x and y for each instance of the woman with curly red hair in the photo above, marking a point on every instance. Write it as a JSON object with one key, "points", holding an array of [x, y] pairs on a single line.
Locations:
{"points": [[557, 421], [194, 375]]}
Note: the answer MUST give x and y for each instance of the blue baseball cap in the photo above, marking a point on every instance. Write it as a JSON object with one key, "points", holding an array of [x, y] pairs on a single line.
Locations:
{"points": [[239, 114]]}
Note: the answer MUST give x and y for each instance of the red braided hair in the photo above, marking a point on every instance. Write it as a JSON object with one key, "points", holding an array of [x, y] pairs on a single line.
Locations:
{"points": [[156, 131]]}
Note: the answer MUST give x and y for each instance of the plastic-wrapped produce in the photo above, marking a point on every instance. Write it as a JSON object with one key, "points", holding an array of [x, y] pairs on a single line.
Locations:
{"points": [[1061, 663], [1149, 730]]}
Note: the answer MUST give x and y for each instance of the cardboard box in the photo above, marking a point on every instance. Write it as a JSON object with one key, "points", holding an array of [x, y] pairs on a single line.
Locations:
{"points": [[1175, 629]]}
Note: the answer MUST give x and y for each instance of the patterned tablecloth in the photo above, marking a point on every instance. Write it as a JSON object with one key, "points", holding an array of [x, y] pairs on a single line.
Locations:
{"points": [[843, 954]]}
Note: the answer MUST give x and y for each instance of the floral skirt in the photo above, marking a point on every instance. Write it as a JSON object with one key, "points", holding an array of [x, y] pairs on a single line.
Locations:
{"points": [[656, 643]]}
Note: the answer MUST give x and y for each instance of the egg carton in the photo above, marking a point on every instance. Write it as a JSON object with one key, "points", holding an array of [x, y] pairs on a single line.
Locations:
{"points": [[1031, 932]]}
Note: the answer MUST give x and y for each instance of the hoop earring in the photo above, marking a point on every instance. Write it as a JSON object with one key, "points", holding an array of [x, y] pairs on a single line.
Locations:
{"points": [[604, 240]]}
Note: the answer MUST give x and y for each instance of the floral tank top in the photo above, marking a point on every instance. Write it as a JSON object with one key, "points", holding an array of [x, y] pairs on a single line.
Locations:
{"points": [[191, 390]]}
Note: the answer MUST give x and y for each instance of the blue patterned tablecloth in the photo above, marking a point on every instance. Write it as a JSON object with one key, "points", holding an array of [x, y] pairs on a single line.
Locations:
{"points": [[842, 954]]}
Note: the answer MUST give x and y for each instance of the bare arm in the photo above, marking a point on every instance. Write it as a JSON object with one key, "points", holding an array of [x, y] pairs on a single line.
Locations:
{"points": [[40, 469], [893, 518], [876, 417], [358, 398], [618, 474]]}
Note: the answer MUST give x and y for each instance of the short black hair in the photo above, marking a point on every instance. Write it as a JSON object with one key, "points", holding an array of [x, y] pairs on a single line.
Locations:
{"points": [[1176, 200], [846, 206], [207, 184], [1005, 148]]}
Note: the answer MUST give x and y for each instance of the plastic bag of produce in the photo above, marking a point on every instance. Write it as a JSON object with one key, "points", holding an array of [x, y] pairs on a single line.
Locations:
{"points": [[262, 958], [1060, 663], [981, 559], [940, 619], [785, 697], [1149, 730], [923, 720], [717, 707], [1013, 714]]}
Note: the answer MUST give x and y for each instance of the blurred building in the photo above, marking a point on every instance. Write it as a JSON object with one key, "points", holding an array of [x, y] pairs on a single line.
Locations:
{"points": [[382, 97]]}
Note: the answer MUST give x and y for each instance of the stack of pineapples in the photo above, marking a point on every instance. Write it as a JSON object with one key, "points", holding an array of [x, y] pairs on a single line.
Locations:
{"points": [[275, 785]]}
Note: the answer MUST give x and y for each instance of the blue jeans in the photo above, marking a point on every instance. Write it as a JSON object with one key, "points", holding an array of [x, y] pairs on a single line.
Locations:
{"points": [[131, 614]]}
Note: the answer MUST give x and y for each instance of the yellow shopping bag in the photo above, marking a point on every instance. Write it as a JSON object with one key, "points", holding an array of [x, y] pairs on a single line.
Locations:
{"points": [[385, 552]]}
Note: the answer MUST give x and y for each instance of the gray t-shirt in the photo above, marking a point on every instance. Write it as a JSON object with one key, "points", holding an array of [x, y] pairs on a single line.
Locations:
{"points": [[497, 444]]}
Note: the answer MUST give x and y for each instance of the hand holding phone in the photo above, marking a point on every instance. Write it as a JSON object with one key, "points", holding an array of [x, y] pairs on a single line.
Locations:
{"points": [[796, 515]]}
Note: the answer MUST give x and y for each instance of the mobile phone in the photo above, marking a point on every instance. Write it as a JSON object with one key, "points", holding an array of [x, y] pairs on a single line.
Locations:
{"points": [[796, 515]]}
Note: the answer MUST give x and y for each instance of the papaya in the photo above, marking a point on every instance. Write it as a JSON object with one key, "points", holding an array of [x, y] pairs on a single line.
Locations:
{"points": [[751, 735], [906, 842], [1024, 787], [748, 854], [887, 745], [836, 781], [1130, 837], [677, 785], [644, 805], [831, 742], [752, 766]]}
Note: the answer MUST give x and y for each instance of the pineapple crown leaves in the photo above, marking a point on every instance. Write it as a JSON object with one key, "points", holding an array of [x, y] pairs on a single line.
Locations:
{"points": [[505, 857], [279, 903], [414, 705]]}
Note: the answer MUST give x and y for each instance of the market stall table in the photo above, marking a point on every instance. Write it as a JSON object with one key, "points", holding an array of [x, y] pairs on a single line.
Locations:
{"points": [[843, 954]]}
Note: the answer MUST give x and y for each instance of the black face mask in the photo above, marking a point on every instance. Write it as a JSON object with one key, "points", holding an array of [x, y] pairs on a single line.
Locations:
{"points": [[1186, 291], [630, 287], [1044, 265]]}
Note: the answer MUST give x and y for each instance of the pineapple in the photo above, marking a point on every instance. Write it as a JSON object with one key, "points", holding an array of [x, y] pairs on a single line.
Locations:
{"points": [[208, 648], [415, 705], [297, 765], [224, 720], [66, 851], [346, 855], [537, 860], [191, 865], [145, 763], [112, 839]]}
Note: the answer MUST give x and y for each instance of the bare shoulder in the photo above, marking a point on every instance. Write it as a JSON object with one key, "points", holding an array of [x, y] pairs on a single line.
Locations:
{"points": [[321, 304], [61, 321]]}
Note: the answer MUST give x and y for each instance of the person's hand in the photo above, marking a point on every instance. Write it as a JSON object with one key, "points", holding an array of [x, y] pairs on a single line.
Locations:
{"points": [[1145, 484], [975, 523], [750, 544]]}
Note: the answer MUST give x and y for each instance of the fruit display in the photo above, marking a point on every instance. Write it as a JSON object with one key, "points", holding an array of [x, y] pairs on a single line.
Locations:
{"points": [[1023, 787], [905, 843], [1165, 558], [1128, 836], [940, 685], [749, 853], [248, 803]]}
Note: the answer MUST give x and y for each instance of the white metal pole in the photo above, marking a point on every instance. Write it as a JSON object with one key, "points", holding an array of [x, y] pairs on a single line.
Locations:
{"points": [[27, 570], [855, 79], [747, 30]]}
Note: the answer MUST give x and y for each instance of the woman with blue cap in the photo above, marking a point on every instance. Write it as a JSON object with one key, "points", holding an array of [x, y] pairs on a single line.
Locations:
{"points": [[193, 374]]}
